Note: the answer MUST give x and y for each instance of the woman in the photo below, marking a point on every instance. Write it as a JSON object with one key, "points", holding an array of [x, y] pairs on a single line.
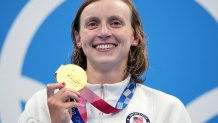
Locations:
{"points": [[110, 45]]}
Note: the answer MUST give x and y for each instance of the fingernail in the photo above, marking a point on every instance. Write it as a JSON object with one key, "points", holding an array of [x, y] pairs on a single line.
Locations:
{"points": [[63, 84]]}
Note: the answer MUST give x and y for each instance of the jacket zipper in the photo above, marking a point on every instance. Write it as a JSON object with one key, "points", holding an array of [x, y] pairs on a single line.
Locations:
{"points": [[102, 96]]}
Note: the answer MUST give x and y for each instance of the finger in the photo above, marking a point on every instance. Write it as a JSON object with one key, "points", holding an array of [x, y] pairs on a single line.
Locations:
{"points": [[67, 89], [64, 90], [69, 105], [68, 94], [76, 92], [52, 87], [70, 111]]}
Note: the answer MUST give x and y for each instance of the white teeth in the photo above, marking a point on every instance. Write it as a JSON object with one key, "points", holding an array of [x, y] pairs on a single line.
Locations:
{"points": [[105, 46]]}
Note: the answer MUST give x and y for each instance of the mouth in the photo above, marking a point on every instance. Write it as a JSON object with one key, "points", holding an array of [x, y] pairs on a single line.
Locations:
{"points": [[104, 46]]}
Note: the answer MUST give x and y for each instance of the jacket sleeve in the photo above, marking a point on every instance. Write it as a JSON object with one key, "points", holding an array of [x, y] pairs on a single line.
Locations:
{"points": [[176, 112], [36, 109]]}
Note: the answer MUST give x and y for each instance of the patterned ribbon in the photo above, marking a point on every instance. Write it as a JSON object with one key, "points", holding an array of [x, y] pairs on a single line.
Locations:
{"points": [[79, 115]]}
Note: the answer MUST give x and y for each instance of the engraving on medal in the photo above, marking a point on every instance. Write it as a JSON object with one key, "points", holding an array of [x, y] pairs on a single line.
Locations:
{"points": [[72, 75]]}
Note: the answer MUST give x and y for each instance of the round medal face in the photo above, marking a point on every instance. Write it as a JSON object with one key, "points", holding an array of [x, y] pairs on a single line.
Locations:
{"points": [[73, 76]]}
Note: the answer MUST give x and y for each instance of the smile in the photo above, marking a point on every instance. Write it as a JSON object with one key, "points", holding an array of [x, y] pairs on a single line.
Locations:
{"points": [[104, 46]]}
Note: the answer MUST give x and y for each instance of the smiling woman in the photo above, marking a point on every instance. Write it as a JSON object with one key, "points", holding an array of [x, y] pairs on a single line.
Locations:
{"points": [[120, 29], [110, 46], [106, 38]]}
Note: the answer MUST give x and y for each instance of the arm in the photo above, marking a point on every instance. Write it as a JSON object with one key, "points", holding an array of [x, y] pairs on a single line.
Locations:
{"points": [[36, 109]]}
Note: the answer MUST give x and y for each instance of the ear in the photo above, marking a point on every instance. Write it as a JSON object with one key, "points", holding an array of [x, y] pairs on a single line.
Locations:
{"points": [[135, 41], [77, 38]]}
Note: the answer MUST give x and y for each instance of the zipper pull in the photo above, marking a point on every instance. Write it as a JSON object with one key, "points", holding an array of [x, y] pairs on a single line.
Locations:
{"points": [[102, 91]]}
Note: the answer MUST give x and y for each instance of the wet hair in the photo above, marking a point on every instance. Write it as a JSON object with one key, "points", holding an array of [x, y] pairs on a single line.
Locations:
{"points": [[137, 62]]}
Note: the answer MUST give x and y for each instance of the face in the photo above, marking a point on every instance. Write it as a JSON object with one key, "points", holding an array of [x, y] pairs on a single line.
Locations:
{"points": [[105, 33]]}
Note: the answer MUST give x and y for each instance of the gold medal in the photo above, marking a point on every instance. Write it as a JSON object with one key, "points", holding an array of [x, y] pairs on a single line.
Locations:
{"points": [[72, 75]]}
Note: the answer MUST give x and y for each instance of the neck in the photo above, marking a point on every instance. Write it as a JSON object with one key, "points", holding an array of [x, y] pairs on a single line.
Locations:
{"points": [[108, 75]]}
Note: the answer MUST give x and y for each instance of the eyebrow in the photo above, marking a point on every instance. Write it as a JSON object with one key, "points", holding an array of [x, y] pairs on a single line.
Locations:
{"points": [[91, 18], [110, 18], [116, 17]]}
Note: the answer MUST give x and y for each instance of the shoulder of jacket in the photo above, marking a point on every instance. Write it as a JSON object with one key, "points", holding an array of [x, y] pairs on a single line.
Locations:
{"points": [[158, 96]]}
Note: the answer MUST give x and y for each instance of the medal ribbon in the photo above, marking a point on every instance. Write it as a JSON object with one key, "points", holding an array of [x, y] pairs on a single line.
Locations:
{"points": [[79, 115]]}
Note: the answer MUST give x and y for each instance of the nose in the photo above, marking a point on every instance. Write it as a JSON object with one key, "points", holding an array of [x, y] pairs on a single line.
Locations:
{"points": [[104, 31]]}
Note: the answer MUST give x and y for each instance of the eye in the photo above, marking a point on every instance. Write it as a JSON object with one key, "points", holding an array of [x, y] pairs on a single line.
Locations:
{"points": [[116, 23], [92, 25]]}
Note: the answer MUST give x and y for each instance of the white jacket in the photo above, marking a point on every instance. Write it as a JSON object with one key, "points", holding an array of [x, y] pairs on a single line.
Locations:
{"points": [[147, 106]]}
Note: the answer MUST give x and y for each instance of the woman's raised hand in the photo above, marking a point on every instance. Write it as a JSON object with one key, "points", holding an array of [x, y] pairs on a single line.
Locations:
{"points": [[59, 104]]}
